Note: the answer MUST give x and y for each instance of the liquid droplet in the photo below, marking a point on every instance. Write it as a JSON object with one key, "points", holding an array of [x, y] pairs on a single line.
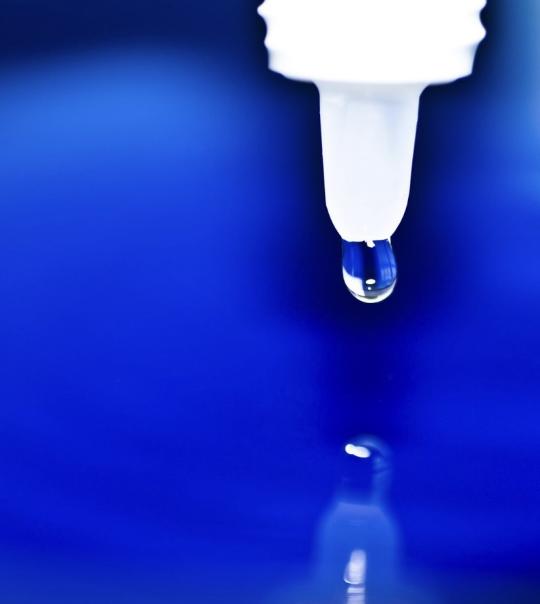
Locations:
{"points": [[369, 270]]}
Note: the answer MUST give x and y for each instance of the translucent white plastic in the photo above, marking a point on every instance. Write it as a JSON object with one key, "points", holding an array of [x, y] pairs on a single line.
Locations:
{"points": [[368, 135]]}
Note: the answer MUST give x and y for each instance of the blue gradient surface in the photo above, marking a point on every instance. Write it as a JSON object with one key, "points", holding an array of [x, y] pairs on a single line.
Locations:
{"points": [[180, 363]]}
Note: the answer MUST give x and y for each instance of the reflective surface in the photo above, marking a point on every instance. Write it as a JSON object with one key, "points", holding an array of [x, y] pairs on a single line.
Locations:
{"points": [[180, 362], [369, 270], [357, 540], [357, 553]]}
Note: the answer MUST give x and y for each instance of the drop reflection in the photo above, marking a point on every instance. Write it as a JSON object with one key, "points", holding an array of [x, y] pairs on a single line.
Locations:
{"points": [[357, 541], [357, 544]]}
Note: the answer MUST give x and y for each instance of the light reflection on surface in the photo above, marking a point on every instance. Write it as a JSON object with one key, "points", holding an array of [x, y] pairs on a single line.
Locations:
{"points": [[355, 576], [361, 452], [358, 542], [357, 546]]}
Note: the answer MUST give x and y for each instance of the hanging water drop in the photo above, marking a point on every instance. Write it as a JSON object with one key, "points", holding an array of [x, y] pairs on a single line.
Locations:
{"points": [[369, 269]]}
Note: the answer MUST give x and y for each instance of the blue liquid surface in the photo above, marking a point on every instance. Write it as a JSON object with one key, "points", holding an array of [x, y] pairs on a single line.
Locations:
{"points": [[369, 270]]}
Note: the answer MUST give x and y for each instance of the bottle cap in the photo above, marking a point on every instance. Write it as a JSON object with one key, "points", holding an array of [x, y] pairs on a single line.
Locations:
{"points": [[373, 41]]}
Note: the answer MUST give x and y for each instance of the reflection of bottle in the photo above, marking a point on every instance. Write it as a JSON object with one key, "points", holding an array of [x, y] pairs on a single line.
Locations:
{"points": [[355, 577], [357, 545], [357, 541]]}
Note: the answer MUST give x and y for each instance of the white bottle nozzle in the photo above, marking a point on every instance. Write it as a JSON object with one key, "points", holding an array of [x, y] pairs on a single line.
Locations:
{"points": [[368, 135], [371, 60]]}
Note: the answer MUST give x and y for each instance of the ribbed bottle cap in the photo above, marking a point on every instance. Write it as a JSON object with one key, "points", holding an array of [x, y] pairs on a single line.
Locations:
{"points": [[373, 41]]}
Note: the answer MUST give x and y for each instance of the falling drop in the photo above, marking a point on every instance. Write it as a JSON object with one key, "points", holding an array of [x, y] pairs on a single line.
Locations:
{"points": [[369, 269]]}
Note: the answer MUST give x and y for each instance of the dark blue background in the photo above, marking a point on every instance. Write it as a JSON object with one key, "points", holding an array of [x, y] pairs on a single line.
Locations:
{"points": [[179, 359]]}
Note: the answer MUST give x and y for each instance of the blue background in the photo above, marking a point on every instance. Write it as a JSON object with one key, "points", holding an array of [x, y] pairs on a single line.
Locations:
{"points": [[179, 359]]}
